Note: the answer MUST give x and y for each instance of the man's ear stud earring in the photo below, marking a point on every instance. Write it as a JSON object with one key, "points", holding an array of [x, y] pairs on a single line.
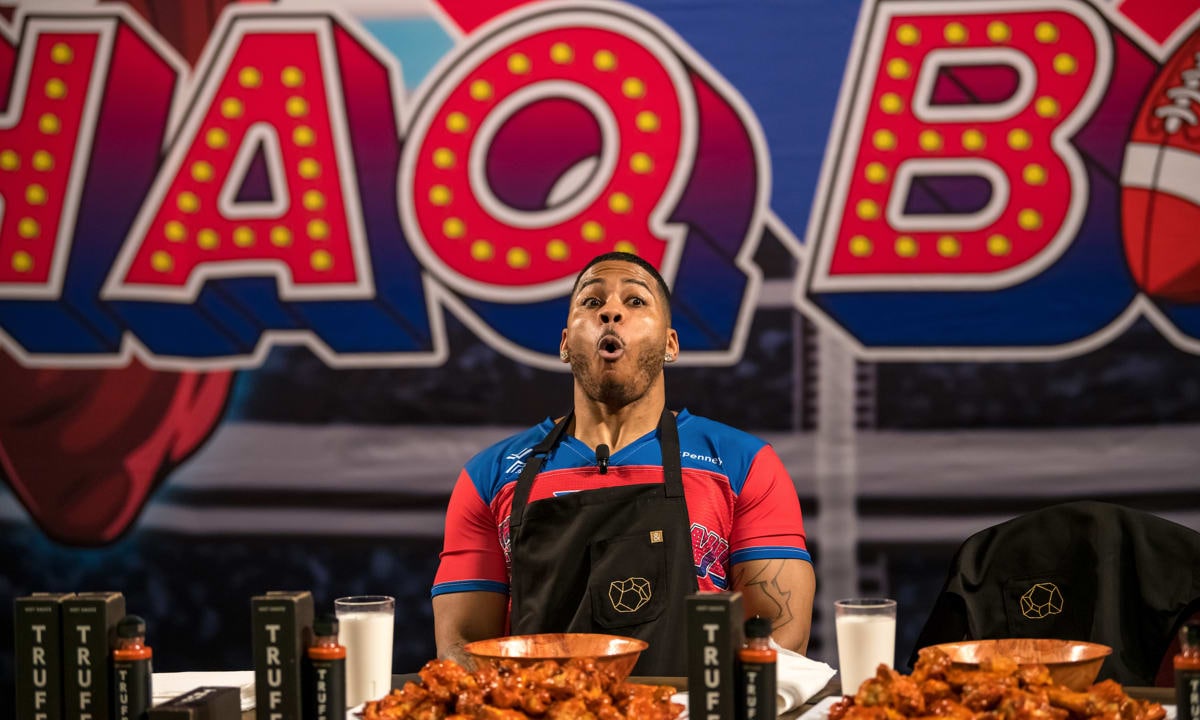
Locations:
{"points": [[562, 354], [669, 357]]}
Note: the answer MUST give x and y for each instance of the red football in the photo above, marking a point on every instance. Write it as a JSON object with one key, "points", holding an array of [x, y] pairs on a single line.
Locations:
{"points": [[1160, 179]]}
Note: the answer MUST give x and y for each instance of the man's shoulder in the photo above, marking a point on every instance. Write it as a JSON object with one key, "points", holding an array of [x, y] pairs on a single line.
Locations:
{"points": [[726, 435], [707, 444], [502, 461]]}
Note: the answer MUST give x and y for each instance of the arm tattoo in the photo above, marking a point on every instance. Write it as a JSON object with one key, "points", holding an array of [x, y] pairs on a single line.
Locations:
{"points": [[765, 582]]}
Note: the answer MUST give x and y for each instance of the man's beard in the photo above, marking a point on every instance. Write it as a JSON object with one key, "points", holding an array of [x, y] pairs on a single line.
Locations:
{"points": [[612, 391]]}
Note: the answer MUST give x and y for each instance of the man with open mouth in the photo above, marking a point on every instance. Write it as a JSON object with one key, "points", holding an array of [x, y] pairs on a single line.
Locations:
{"points": [[606, 518]]}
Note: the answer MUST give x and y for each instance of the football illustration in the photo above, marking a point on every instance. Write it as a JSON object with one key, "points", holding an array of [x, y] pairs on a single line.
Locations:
{"points": [[1160, 178]]}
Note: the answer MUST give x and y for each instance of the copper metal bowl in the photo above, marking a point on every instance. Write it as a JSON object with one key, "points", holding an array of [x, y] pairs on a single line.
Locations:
{"points": [[1073, 663], [614, 653]]}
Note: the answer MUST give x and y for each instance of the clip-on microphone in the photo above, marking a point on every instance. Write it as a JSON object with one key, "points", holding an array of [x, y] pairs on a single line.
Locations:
{"points": [[602, 458]]}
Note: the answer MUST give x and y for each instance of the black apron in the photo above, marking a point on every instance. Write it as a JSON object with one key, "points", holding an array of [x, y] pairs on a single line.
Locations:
{"points": [[615, 560]]}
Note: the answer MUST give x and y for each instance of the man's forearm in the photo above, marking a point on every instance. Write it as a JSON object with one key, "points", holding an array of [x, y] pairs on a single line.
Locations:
{"points": [[460, 618], [453, 650]]}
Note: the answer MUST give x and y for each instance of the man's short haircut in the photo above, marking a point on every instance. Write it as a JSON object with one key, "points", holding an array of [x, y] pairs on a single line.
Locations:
{"points": [[629, 258]]}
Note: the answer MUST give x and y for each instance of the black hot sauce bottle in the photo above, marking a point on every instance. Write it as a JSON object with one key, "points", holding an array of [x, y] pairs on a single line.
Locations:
{"points": [[131, 658]]}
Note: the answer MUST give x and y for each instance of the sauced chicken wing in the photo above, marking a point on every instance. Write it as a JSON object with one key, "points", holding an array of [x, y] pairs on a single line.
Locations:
{"points": [[931, 663], [933, 690], [846, 709], [572, 690], [892, 690], [948, 707], [999, 690]]}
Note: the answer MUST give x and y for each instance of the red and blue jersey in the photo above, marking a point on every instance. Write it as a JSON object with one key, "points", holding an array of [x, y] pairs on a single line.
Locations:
{"points": [[741, 502]]}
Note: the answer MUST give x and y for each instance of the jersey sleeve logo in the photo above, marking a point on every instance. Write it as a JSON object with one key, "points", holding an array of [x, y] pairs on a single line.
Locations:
{"points": [[514, 463]]}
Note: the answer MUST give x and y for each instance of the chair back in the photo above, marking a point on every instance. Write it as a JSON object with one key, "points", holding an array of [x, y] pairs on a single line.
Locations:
{"points": [[1075, 571]]}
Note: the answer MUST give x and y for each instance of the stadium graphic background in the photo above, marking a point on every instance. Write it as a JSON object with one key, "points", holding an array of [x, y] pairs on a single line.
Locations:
{"points": [[187, 422]]}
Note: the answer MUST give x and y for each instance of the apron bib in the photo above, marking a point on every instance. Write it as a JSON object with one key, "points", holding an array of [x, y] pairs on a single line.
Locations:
{"points": [[615, 560]]}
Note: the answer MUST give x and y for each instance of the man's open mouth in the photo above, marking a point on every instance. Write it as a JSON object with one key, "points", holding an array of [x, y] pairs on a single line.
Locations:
{"points": [[611, 347]]}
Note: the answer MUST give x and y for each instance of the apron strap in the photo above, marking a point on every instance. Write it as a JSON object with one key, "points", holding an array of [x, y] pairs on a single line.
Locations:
{"points": [[668, 440], [668, 434], [533, 466]]}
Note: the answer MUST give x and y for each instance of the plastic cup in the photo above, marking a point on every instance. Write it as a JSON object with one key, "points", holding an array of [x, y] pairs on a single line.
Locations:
{"points": [[866, 638], [365, 625]]}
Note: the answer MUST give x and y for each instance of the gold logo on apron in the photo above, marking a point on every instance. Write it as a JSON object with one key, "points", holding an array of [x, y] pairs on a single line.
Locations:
{"points": [[1041, 601], [655, 536], [629, 595]]}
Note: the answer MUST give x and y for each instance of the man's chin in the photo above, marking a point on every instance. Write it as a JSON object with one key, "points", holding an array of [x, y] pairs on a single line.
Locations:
{"points": [[609, 390], [614, 383]]}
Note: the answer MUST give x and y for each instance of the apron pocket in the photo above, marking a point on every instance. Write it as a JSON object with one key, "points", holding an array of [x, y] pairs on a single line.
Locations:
{"points": [[627, 584]]}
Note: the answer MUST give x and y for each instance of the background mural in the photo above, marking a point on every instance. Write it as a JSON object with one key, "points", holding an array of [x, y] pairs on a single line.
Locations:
{"points": [[271, 272]]}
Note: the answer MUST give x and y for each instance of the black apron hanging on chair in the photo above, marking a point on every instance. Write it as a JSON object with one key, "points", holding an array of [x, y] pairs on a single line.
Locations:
{"points": [[614, 560]]}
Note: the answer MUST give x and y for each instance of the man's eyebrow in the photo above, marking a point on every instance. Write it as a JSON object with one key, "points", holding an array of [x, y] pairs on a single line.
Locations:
{"points": [[585, 283], [596, 280]]}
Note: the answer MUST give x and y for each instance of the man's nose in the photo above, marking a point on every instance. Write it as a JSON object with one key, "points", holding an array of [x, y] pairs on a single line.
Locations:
{"points": [[610, 313]]}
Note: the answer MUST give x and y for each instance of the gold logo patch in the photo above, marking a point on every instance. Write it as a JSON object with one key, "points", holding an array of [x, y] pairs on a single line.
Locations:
{"points": [[656, 536], [1041, 601], [629, 595]]}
